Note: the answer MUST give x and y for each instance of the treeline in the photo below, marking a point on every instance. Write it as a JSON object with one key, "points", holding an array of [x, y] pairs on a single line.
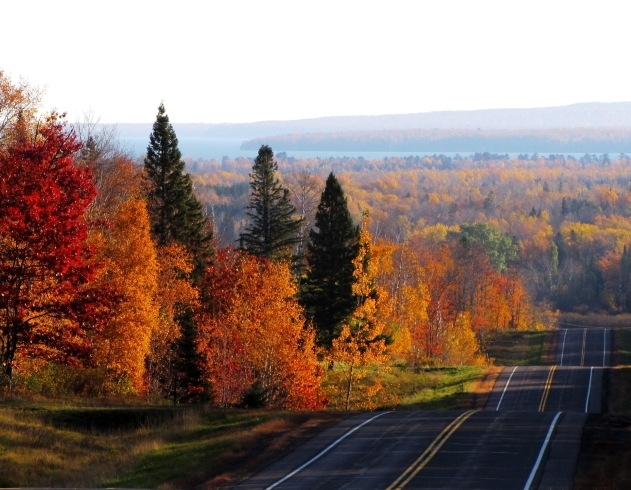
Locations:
{"points": [[562, 140]]}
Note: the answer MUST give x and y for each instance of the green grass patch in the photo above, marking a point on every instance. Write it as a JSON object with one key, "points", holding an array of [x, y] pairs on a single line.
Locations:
{"points": [[408, 388], [518, 348], [445, 388], [193, 452]]}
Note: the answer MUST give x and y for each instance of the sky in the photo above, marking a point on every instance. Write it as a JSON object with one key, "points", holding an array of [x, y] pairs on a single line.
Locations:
{"points": [[244, 61]]}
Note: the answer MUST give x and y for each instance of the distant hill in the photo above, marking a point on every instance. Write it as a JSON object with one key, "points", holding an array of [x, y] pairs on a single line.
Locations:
{"points": [[565, 140], [586, 115]]}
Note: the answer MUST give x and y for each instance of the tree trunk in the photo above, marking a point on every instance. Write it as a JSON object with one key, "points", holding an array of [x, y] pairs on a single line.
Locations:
{"points": [[348, 389]]}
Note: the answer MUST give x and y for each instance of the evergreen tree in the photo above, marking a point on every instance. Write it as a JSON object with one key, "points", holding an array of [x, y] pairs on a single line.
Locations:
{"points": [[273, 229], [176, 214], [328, 289], [187, 384]]}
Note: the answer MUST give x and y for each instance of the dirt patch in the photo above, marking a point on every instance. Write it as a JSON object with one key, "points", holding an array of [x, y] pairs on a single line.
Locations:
{"points": [[550, 348], [605, 459], [479, 394], [269, 444]]}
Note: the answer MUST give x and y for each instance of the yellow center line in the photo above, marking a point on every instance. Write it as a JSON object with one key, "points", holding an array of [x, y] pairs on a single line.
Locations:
{"points": [[546, 389], [430, 452], [583, 351]]}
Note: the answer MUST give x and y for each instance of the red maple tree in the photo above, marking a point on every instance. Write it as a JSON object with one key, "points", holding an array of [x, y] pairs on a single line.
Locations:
{"points": [[46, 303]]}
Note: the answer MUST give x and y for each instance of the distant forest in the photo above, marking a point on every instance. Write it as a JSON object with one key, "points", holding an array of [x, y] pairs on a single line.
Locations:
{"points": [[570, 219], [566, 140]]}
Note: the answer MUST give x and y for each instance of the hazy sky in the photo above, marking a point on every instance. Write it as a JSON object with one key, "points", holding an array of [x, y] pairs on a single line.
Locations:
{"points": [[238, 61]]}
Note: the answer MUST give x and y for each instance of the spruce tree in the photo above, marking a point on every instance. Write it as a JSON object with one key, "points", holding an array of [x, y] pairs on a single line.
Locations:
{"points": [[328, 288], [176, 214], [273, 228]]}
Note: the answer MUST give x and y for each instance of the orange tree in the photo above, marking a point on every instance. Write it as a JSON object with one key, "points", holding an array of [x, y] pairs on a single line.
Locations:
{"points": [[255, 349]]}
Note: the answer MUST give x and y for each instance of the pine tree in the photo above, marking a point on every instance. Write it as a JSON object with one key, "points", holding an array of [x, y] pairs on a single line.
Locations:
{"points": [[328, 291], [273, 229], [176, 214]]}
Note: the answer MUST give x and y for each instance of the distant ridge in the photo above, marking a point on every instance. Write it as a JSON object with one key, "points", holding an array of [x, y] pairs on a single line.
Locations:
{"points": [[564, 140], [584, 115]]}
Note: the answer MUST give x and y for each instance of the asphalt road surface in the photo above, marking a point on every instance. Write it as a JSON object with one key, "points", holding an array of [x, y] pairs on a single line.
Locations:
{"points": [[527, 437], [487, 450]]}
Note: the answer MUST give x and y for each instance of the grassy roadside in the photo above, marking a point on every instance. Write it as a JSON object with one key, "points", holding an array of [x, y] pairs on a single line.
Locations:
{"points": [[42, 444], [521, 348], [55, 443], [605, 458]]}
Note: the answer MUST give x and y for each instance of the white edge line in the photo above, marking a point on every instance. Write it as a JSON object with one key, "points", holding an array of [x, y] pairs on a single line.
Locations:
{"points": [[324, 451], [541, 452], [505, 386], [589, 389], [563, 348]]}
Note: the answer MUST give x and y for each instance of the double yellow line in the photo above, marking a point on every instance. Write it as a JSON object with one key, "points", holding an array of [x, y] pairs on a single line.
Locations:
{"points": [[546, 389], [430, 452]]}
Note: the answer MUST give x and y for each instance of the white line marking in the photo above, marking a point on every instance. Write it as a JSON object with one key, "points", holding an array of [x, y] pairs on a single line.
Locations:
{"points": [[541, 453], [604, 345], [324, 451], [563, 348], [589, 388], [505, 386]]}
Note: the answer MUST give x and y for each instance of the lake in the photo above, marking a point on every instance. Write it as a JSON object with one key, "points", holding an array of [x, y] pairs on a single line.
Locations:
{"points": [[209, 148]]}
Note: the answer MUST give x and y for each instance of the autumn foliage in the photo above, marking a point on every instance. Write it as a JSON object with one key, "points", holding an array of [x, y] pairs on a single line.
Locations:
{"points": [[47, 307], [130, 267], [362, 342], [256, 349]]}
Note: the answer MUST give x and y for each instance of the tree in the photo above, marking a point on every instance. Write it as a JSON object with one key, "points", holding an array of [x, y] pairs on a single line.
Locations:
{"points": [[176, 298], [328, 288], [497, 245], [176, 214], [255, 348], [132, 269], [306, 189], [18, 104], [273, 228], [47, 307], [361, 341]]}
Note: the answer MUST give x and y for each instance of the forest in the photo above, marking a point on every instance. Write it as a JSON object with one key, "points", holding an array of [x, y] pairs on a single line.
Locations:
{"points": [[568, 219], [277, 282]]}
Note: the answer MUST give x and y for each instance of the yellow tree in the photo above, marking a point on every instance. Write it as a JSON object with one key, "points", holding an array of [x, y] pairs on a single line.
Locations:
{"points": [[131, 269], [361, 342], [18, 107]]}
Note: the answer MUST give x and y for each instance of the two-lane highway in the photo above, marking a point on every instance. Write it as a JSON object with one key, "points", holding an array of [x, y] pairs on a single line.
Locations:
{"points": [[412, 450], [584, 347], [573, 384], [528, 436]]}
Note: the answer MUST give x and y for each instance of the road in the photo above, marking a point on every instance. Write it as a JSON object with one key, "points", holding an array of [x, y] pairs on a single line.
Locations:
{"points": [[528, 436]]}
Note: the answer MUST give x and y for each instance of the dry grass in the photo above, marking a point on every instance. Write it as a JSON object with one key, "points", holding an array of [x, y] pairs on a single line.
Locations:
{"points": [[520, 347], [148, 447], [594, 320]]}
